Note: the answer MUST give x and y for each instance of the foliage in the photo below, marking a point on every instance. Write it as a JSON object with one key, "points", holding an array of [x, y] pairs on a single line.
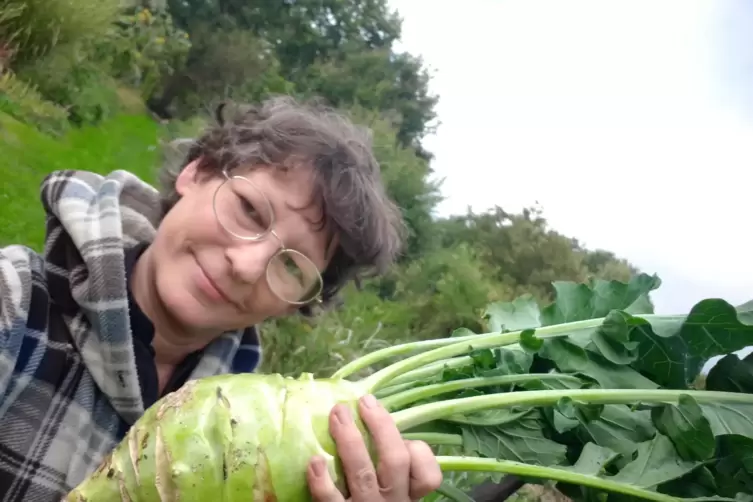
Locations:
{"points": [[32, 28], [24, 102], [222, 64], [406, 176], [526, 254], [69, 77], [378, 80], [604, 391], [364, 322], [430, 297], [303, 31], [143, 49], [443, 291]]}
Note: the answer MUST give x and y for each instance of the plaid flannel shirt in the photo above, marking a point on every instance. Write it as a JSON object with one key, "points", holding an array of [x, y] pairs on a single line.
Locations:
{"points": [[69, 387]]}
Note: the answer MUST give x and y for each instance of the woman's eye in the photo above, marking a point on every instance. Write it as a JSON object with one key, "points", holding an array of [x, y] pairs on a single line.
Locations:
{"points": [[248, 208]]}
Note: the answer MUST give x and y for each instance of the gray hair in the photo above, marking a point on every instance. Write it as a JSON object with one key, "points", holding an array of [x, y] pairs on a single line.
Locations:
{"points": [[281, 133]]}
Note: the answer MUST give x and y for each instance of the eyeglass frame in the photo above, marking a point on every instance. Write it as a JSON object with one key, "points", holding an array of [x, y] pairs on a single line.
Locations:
{"points": [[317, 298]]}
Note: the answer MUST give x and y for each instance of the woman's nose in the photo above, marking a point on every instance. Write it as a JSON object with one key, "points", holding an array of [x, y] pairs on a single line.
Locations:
{"points": [[248, 260]]}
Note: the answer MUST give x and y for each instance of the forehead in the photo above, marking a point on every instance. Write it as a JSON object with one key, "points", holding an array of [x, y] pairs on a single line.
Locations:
{"points": [[288, 190]]}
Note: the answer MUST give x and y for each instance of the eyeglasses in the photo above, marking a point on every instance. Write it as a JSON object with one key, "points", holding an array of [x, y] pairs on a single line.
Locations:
{"points": [[244, 211]]}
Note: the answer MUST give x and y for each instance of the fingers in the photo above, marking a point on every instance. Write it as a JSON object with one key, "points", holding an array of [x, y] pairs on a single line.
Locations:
{"points": [[394, 460], [406, 469], [358, 468], [425, 474], [322, 487]]}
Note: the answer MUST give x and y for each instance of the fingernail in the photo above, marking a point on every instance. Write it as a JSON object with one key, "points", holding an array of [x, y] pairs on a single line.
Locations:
{"points": [[317, 465], [369, 401], [342, 414]]}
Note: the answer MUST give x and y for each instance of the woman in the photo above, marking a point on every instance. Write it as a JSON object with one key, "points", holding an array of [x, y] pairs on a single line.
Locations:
{"points": [[138, 291]]}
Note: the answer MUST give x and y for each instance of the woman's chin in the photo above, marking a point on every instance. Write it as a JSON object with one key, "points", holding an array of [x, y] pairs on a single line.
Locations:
{"points": [[190, 312]]}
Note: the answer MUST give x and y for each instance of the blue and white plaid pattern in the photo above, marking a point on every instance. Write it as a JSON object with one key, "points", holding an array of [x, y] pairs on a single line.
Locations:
{"points": [[69, 390]]}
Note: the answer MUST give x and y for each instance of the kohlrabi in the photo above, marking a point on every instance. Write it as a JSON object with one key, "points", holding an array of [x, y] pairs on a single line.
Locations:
{"points": [[594, 391]]}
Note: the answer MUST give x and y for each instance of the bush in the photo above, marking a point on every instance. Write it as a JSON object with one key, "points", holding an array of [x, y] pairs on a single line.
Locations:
{"points": [[428, 298], [32, 28], [231, 64], [143, 49], [69, 77], [364, 323], [24, 102]]}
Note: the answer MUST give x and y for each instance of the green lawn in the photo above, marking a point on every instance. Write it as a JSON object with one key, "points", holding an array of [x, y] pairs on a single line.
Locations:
{"points": [[26, 156]]}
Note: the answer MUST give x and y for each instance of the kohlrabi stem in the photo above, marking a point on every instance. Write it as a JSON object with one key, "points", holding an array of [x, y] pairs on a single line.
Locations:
{"points": [[435, 438], [432, 369], [401, 399], [379, 379], [395, 389], [394, 351], [421, 414], [466, 464], [412, 378]]}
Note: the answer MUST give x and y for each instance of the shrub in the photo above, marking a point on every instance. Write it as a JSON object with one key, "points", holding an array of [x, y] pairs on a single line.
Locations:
{"points": [[32, 28], [23, 101], [143, 48], [69, 77]]}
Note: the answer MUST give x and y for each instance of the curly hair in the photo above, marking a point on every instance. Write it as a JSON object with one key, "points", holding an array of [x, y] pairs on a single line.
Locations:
{"points": [[283, 133]]}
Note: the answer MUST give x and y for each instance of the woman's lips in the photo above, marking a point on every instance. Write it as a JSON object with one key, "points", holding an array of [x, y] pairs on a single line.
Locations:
{"points": [[210, 288]]}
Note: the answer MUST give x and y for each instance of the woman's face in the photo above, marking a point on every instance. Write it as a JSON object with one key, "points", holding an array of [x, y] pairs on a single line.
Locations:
{"points": [[206, 279]]}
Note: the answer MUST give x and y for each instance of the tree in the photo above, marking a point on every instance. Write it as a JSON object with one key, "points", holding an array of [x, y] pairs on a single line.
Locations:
{"points": [[378, 79], [338, 50], [526, 254], [301, 31]]}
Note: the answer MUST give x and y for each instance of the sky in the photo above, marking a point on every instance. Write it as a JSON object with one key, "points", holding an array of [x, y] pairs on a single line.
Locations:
{"points": [[629, 122]]}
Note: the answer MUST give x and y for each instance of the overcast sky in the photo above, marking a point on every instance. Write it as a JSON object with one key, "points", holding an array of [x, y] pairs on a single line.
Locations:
{"points": [[630, 122]]}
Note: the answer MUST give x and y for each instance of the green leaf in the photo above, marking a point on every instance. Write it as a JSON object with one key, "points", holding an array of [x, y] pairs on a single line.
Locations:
{"points": [[696, 484], [673, 349], [529, 342], [579, 302], [519, 314], [582, 412], [725, 418], [593, 460], [618, 428], [657, 462], [521, 440], [688, 448], [687, 427], [491, 418], [559, 384], [612, 340], [462, 332], [491, 362], [573, 302], [570, 358], [576, 302], [732, 374], [735, 464]]}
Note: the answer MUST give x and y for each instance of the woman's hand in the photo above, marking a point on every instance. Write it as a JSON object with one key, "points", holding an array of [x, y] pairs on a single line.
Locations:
{"points": [[407, 470]]}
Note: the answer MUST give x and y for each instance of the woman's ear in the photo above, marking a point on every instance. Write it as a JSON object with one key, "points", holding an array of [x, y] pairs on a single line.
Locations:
{"points": [[188, 178]]}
